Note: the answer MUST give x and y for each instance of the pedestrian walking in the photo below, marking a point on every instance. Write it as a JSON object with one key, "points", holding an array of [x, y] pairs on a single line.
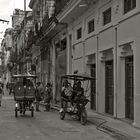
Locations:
{"points": [[47, 96], [39, 94], [1, 93]]}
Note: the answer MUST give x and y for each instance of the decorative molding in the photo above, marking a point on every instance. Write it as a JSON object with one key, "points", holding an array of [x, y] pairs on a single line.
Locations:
{"points": [[106, 55], [126, 49]]}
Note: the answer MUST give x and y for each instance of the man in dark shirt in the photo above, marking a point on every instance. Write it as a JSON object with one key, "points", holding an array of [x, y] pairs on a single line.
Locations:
{"points": [[39, 94], [79, 91]]}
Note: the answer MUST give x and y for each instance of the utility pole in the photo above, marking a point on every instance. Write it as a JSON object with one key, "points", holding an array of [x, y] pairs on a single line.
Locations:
{"points": [[24, 10], [24, 33]]}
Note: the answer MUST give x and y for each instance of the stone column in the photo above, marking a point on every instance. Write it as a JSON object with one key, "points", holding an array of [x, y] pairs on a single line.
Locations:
{"points": [[53, 71]]}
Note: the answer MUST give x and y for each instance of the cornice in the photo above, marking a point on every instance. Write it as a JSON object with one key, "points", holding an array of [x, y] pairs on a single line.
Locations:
{"points": [[31, 3]]}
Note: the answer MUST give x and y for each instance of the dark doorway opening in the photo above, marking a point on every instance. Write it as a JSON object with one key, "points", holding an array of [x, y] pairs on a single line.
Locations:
{"points": [[109, 87], [93, 87], [129, 88]]}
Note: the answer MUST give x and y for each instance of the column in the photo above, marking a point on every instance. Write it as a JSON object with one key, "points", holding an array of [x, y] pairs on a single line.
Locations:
{"points": [[53, 70], [115, 71]]}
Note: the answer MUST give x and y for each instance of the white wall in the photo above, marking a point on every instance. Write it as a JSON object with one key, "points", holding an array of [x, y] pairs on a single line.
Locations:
{"points": [[127, 27]]}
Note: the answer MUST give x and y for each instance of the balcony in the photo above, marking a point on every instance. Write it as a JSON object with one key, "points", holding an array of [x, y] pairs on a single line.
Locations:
{"points": [[60, 5], [66, 11]]}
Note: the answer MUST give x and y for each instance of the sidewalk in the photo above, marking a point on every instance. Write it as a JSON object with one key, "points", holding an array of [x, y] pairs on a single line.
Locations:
{"points": [[118, 129], [114, 127]]}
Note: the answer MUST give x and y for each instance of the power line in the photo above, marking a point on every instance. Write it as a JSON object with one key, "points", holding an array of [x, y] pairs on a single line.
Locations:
{"points": [[4, 20]]}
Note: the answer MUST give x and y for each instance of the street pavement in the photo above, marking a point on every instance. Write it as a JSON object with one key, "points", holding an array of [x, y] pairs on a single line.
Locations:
{"points": [[48, 126], [44, 126]]}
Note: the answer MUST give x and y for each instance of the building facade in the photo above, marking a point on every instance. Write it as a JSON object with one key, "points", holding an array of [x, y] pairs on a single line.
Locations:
{"points": [[6, 46], [17, 19], [51, 40], [104, 42], [21, 49], [39, 10], [101, 38]]}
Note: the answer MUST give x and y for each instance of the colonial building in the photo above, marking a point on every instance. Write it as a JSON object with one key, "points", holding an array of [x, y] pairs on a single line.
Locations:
{"points": [[39, 9], [21, 50], [6, 46], [17, 19], [51, 41], [99, 37], [104, 42]]}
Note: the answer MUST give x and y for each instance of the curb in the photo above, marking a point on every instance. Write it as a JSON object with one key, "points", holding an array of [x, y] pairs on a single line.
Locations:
{"points": [[52, 106]]}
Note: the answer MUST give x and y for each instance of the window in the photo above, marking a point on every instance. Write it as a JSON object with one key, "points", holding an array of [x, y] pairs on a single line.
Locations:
{"points": [[129, 5], [63, 44], [107, 16], [91, 26], [79, 33]]}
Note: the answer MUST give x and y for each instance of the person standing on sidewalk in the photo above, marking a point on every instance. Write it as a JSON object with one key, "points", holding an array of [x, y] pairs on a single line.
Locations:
{"points": [[1, 93], [47, 96], [41, 89], [39, 94]]}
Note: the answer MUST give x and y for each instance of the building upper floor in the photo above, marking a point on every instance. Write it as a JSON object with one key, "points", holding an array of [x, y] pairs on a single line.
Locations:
{"points": [[91, 17], [17, 17], [96, 15], [7, 41]]}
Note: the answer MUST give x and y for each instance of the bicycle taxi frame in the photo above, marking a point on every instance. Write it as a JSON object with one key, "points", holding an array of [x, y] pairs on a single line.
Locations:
{"points": [[76, 107]]}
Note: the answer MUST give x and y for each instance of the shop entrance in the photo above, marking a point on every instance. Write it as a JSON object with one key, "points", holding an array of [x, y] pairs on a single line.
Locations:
{"points": [[109, 88], [93, 87], [129, 88]]}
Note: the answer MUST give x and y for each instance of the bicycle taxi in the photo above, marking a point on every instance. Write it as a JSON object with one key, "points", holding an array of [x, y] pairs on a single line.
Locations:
{"points": [[24, 93], [75, 102]]}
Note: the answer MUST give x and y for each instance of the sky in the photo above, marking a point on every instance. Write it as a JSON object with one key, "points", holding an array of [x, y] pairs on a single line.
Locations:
{"points": [[6, 10]]}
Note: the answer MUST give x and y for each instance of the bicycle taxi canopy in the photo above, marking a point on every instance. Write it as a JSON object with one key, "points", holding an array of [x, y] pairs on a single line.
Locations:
{"points": [[80, 77]]}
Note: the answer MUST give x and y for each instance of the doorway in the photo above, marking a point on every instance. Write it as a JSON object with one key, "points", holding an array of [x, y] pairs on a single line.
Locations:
{"points": [[93, 87], [109, 87], [129, 88]]}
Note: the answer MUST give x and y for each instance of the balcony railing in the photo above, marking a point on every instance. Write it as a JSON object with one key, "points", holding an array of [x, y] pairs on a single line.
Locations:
{"points": [[60, 4]]}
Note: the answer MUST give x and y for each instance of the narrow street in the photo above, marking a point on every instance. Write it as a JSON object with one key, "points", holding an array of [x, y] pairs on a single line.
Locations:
{"points": [[86, 51], [44, 126]]}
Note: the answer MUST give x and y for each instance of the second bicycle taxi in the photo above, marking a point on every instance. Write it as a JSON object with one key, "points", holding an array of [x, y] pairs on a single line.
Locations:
{"points": [[24, 93]]}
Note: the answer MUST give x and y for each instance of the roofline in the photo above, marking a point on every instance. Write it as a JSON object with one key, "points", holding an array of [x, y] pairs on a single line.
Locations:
{"points": [[31, 3]]}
